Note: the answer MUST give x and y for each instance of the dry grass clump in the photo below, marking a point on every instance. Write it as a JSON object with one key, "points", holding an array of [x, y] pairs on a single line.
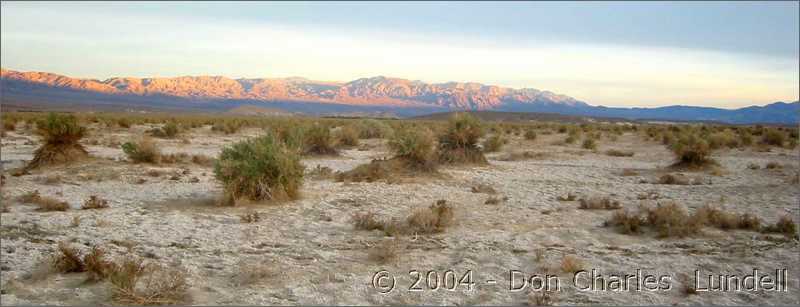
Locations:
{"points": [[44, 204], [627, 222], [203, 160], [570, 264], [60, 134], [318, 140], [483, 188], [691, 151], [259, 169], [619, 153], [367, 221], [784, 225], [426, 220], [595, 203], [459, 143], [94, 202], [494, 200], [589, 143], [530, 135], [568, 197], [672, 220], [250, 217], [135, 283], [384, 252], [753, 166], [142, 151], [432, 219], [674, 179], [249, 273], [726, 220], [96, 264], [524, 155], [629, 172], [773, 165], [371, 172], [494, 143], [320, 172], [68, 259], [347, 136]]}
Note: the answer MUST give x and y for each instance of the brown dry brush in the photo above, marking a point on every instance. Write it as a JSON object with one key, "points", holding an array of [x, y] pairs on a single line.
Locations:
{"points": [[135, 283], [60, 134], [459, 143], [426, 220]]}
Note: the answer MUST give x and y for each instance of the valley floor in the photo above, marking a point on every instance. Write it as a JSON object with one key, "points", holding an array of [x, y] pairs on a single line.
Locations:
{"points": [[316, 257]]}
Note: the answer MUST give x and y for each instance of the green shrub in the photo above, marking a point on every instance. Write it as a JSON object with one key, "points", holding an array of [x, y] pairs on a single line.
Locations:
{"points": [[773, 137], [414, 146], [373, 129], [347, 136], [493, 143], [60, 134], [259, 169], [459, 143], [318, 141], [691, 151]]}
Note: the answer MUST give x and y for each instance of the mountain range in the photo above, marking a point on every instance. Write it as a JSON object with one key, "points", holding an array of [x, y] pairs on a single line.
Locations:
{"points": [[382, 95]]}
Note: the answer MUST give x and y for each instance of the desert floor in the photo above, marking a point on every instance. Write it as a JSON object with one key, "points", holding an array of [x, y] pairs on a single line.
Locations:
{"points": [[314, 255]]}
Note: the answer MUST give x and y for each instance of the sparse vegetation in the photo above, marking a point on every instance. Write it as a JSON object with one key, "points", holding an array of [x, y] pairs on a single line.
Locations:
{"points": [[595, 203], [169, 131], [347, 136], [319, 141], [493, 143], [619, 153], [94, 202], [692, 151], [135, 283]]}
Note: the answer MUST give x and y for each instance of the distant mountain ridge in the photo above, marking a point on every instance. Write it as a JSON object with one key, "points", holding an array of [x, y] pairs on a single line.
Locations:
{"points": [[377, 94]]}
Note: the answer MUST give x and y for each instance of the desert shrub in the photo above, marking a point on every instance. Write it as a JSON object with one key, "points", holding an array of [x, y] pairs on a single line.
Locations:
{"points": [[773, 165], [619, 153], [570, 264], [94, 202], [142, 151], [9, 125], [568, 197], [530, 135], [61, 134], [227, 126], [459, 142], [169, 130], [784, 225], [589, 143], [347, 136], [483, 188], [594, 203], [202, 160], [123, 123], [367, 221], [250, 217], [753, 166], [726, 220], [68, 259], [525, 155], [493, 143], [671, 220], [570, 139], [43, 203], [674, 179], [691, 151], [96, 264], [773, 137], [384, 252], [431, 219], [414, 146], [722, 139], [258, 169], [627, 222], [373, 129], [371, 172], [318, 141], [135, 283]]}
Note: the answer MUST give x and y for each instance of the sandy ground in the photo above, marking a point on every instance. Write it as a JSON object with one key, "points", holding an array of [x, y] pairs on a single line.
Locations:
{"points": [[317, 257]]}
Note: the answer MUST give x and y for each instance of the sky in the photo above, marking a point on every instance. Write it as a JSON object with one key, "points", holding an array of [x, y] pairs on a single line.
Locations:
{"points": [[720, 54]]}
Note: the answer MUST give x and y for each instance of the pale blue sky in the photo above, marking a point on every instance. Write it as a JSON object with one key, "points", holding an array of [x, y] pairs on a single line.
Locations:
{"points": [[725, 54]]}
